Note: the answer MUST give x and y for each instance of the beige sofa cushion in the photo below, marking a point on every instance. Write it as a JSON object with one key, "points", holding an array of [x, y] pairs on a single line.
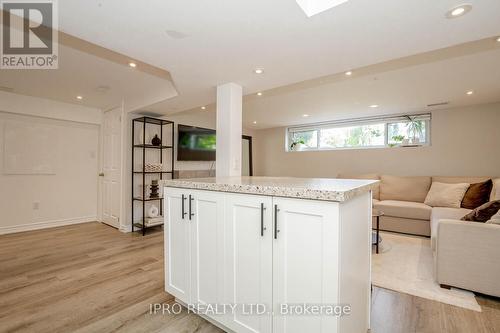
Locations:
{"points": [[369, 176], [446, 195], [404, 209], [455, 180], [404, 188], [495, 192]]}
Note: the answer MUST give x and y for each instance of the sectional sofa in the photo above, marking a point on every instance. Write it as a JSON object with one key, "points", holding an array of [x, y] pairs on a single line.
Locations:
{"points": [[467, 254]]}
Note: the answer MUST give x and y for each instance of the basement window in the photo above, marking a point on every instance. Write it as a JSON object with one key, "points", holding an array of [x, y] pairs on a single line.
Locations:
{"points": [[374, 132]]}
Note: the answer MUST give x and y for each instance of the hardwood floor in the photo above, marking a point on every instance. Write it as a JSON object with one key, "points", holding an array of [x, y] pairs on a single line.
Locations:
{"points": [[92, 278]]}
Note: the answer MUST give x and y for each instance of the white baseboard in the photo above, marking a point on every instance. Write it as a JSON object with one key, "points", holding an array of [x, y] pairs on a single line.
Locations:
{"points": [[125, 228], [46, 224]]}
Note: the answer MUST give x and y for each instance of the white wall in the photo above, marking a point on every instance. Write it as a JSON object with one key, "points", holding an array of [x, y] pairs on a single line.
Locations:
{"points": [[70, 194], [465, 142]]}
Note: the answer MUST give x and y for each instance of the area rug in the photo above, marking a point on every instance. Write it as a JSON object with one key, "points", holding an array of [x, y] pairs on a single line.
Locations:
{"points": [[405, 264]]}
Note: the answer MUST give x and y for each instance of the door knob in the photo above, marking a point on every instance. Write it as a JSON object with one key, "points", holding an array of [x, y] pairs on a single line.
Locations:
{"points": [[101, 174]]}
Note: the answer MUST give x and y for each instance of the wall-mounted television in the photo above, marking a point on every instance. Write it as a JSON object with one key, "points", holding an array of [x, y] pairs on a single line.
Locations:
{"points": [[195, 143]]}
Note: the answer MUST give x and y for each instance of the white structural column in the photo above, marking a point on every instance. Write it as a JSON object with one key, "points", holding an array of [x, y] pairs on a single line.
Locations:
{"points": [[229, 130]]}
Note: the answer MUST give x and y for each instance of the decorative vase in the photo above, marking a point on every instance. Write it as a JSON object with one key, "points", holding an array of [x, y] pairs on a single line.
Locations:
{"points": [[154, 189], [156, 141], [153, 211]]}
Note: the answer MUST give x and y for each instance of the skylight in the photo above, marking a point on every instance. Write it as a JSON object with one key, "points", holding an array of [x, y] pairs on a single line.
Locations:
{"points": [[313, 7]]}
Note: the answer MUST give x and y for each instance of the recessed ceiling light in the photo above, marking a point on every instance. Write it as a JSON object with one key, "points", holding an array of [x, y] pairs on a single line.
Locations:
{"points": [[203, 107], [132, 64], [349, 73], [374, 106], [459, 11], [79, 97], [470, 92], [498, 39], [259, 70], [305, 115], [254, 122], [259, 94]]}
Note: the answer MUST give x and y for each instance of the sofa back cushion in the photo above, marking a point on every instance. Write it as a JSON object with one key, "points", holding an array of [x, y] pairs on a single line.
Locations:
{"points": [[404, 188], [456, 180], [369, 176]]}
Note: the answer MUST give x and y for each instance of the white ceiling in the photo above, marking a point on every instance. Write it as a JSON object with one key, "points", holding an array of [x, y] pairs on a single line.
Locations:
{"points": [[406, 90], [212, 42], [102, 83]]}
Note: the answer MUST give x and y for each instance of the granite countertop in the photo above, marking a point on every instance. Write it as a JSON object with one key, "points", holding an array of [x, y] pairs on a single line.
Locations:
{"points": [[324, 189]]}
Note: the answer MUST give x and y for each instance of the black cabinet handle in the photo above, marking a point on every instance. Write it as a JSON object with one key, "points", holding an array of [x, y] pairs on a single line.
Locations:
{"points": [[276, 210], [262, 219], [190, 201], [183, 213]]}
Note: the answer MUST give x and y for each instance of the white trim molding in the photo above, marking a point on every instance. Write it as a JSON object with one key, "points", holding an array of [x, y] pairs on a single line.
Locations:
{"points": [[45, 225]]}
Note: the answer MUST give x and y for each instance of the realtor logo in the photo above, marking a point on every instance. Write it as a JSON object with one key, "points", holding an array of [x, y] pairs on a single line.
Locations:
{"points": [[29, 34]]}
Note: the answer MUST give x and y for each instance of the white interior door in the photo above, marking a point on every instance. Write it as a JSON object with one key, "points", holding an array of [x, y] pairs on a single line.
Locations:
{"points": [[111, 192], [245, 157]]}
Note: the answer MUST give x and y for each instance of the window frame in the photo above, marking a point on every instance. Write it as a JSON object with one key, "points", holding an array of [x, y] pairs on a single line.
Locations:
{"points": [[426, 117]]}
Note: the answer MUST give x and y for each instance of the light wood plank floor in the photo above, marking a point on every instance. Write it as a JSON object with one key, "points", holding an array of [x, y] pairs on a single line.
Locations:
{"points": [[93, 278]]}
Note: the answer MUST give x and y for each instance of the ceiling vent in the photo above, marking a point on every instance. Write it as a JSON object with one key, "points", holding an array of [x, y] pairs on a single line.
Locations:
{"points": [[313, 7], [438, 104], [176, 34], [103, 89]]}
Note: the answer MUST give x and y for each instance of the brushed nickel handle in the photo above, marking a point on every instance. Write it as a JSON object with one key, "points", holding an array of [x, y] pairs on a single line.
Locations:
{"points": [[276, 210], [183, 213], [190, 212], [262, 228]]}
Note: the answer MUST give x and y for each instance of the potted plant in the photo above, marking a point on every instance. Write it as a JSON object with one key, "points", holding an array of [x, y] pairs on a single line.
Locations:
{"points": [[297, 145], [400, 139], [415, 129]]}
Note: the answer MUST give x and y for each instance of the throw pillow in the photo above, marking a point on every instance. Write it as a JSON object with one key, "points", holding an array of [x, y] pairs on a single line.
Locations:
{"points": [[495, 219], [484, 212], [446, 195], [477, 194]]}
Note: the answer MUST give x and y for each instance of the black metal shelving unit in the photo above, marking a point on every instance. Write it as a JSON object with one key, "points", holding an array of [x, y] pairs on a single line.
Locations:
{"points": [[145, 123]]}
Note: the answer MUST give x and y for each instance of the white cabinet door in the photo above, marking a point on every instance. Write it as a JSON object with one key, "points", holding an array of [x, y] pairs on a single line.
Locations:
{"points": [[305, 263], [177, 244], [206, 220], [249, 261]]}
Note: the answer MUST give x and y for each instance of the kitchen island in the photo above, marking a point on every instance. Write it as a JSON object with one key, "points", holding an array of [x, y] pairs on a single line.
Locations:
{"points": [[266, 254]]}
